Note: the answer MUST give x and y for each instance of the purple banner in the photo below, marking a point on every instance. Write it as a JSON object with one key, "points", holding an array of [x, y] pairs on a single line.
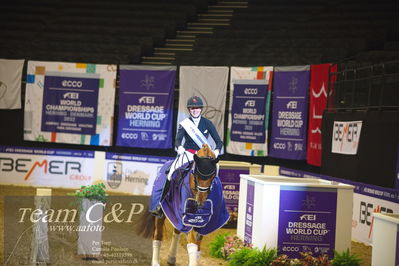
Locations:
{"points": [[70, 103], [289, 113], [248, 112], [146, 106], [307, 219], [230, 179], [249, 212]]}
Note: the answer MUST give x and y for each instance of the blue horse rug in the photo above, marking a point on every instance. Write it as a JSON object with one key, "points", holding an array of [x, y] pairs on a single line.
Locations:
{"points": [[179, 206]]}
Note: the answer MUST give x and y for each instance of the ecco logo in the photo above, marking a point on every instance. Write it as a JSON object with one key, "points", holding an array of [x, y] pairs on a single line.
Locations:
{"points": [[295, 249], [72, 83], [279, 146], [252, 91], [130, 136]]}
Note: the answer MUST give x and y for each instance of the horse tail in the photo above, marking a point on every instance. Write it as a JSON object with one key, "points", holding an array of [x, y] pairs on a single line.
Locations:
{"points": [[146, 225]]}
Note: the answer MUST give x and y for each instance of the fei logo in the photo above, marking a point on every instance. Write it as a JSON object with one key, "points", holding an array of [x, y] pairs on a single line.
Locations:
{"points": [[308, 217], [71, 95], [147, 99], [292, 105]]}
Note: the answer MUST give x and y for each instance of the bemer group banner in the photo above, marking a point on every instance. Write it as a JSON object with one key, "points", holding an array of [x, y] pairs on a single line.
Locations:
{"points": [[69, 103], [249, 110], [146, 106], [346, 137], [289, 113], [46, 167]]}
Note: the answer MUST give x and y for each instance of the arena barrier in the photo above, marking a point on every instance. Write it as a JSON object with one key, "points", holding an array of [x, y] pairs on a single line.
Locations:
{"points": [[229, 174], [295, 215], [367, 200], [385, 240]]}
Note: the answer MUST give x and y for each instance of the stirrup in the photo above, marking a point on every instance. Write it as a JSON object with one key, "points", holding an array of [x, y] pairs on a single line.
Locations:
{"points": [[157, 212]]}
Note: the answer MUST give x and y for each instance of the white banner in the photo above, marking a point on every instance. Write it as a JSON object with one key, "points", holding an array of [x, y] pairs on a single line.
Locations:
{"points": [[363, 209], [346, 136], [209, 83], [69, 103], [238, 74], [46, 167], [10, 83], [133, 174]]}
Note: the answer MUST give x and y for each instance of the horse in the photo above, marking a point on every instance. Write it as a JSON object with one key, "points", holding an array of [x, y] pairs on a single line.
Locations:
{"points": [[192, 201]]}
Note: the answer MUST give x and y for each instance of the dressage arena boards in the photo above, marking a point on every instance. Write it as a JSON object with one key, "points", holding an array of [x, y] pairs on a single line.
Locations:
{"points": [[360, 249]]}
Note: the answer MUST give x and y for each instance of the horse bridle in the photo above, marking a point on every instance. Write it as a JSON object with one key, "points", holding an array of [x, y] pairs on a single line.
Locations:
{"points": [[196, 174], [199, 188]]}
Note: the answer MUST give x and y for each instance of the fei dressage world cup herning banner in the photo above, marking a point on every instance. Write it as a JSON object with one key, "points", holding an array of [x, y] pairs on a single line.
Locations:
{"points": [[249, 110], [319, 80], [209, 83], [69, 103], [10, 83], [146, 106], [289, 113]]}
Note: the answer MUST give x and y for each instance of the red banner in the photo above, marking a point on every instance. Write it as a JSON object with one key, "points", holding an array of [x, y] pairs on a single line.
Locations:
{"points": [[319, 75]]}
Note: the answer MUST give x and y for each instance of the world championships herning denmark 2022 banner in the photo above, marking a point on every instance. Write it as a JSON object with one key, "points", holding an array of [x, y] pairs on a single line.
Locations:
{"points": [[146, 106], [249, 110], [69, 103], [289, 113]]}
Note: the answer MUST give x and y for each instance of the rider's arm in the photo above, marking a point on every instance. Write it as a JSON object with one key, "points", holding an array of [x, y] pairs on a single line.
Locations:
{"points": [[214, 134], [179, 136]]}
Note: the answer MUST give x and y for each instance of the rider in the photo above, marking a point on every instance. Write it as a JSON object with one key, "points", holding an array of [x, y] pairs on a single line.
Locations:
{"points": [[195, 130]]}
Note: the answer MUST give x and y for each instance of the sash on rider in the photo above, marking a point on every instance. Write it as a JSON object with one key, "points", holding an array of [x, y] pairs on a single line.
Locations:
{"points": [[194, 133]]}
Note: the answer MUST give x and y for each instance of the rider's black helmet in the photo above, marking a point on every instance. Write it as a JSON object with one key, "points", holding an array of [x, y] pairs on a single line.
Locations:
{"points": [[195, 101]]}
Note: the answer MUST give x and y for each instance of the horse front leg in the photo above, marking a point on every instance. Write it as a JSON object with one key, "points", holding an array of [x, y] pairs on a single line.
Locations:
{"points": [[173, 247], [157, 240], [193, 247]]}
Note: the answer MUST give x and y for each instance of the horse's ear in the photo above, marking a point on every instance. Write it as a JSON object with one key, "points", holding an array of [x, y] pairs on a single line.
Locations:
{"points": [[196, 158], [216, 160]]}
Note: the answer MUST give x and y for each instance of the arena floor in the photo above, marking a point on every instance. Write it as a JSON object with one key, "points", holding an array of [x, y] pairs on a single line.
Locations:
{"points": [[123, 238]]}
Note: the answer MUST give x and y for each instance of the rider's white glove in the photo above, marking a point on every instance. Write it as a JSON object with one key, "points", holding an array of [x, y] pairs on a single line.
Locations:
{"points": [[180, 150], [216, 152]]}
